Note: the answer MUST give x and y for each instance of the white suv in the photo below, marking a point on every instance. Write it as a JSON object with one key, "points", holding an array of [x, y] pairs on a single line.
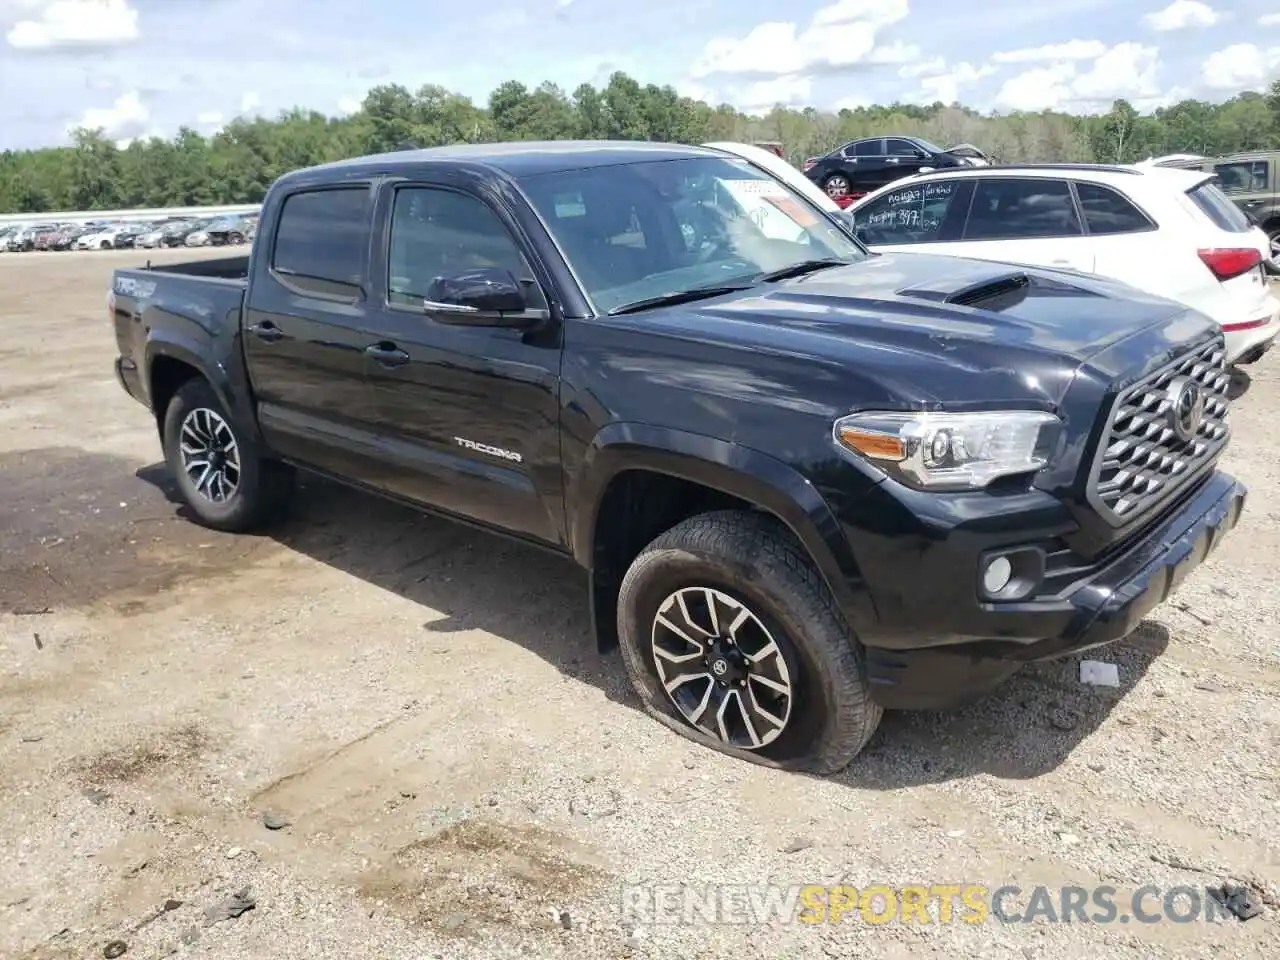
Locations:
{"points": [[1169, 232]]}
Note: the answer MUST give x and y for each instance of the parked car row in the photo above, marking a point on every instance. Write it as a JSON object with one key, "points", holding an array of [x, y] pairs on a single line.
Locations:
{"points": [[125, 235]]}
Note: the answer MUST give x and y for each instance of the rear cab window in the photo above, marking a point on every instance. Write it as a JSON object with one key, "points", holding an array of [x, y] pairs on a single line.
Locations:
{"points": [[322, 241], [1219, 208]]}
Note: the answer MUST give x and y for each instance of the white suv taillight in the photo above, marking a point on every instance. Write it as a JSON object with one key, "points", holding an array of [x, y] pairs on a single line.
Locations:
{"points": [[1227, 262]]}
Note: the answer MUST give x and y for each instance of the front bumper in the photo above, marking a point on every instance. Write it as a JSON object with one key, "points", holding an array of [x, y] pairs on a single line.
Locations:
{"points": [[1105, 605]]}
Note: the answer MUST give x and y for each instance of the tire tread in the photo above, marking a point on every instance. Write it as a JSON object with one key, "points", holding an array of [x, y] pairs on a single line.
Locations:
{"points": [[762, 546]]}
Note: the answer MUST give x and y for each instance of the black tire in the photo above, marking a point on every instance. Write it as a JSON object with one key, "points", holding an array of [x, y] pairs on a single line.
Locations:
{"points": [[830, 186], [753, 560], [1272, 263], [262, 487]]}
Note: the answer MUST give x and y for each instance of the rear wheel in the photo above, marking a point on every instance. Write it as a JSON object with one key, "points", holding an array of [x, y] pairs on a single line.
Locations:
{"points": [[223, 477], [836, 185], [731, 636]]}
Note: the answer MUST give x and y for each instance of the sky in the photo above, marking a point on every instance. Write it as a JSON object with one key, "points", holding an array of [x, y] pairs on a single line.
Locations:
{"points": [[145, 67]]}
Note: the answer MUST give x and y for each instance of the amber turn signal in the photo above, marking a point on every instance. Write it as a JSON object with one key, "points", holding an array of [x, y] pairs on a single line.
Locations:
{"points": [[877, 446]]}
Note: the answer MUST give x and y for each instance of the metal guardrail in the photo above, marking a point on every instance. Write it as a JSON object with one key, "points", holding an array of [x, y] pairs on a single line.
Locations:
{"points": [[156, 213]]}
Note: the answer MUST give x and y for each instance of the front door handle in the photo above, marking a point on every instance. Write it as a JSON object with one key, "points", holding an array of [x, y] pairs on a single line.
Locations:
{"points": [[268, 331], [387, 354]]}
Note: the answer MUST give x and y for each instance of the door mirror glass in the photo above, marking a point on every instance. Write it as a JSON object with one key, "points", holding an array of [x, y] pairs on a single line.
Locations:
{"points": [[482, 289]]}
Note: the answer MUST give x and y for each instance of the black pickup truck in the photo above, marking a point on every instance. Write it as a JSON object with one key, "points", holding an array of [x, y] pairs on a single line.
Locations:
{"points": [[807, 482]]}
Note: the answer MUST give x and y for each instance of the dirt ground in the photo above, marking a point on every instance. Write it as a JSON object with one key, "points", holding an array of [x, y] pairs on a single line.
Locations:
{"points": [[461, 775]]}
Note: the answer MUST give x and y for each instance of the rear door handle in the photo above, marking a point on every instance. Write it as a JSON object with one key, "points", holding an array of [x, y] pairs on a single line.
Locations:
{"points": [[387, 354], [268, 331]]}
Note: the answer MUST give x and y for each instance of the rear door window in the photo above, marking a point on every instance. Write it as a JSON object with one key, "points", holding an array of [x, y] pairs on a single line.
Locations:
{"points": [[1107, 212], [1009, 208], [869, 148], [322, 241], [1219, 208]]}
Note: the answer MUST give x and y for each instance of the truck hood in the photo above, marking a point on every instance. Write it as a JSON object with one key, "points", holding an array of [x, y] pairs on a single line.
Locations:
{"points": [[922, 329]]}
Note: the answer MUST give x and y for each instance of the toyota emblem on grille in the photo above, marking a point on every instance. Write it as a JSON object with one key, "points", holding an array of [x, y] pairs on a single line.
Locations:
{"points": [[1186, 407]]}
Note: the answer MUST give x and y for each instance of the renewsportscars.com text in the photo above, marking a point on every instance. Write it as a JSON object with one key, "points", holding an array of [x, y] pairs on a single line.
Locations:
{"points": [[942, 904]]}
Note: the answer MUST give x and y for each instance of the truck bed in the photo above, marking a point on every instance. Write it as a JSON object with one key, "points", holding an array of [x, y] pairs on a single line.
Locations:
{"points": [[191, 305], [222, 268]]}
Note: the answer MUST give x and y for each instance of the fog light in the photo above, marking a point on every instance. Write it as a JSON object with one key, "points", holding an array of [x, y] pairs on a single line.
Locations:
{"points": [[996, 576]]}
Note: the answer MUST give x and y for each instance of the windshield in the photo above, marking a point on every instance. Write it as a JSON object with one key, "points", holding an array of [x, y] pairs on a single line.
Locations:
{"points": [[931, 147], [643, 230]]}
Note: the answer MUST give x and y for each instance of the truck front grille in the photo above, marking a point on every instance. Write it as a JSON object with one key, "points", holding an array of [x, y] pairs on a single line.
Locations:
{"points": [[1147, 453]]}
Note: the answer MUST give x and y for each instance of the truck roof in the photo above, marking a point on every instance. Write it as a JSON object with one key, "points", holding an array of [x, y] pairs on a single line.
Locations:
{"points": [[516, 159]]}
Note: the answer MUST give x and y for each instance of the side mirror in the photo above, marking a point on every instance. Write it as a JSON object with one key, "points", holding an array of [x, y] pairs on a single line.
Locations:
{"points": [[484, 290], [844, 219]]}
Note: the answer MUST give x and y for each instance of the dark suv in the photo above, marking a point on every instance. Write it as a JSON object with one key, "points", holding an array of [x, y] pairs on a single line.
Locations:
{"points": [[868, 164]]}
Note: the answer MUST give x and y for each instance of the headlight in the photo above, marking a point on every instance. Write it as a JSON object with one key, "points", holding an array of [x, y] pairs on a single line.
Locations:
{"points": [[951, 451]]}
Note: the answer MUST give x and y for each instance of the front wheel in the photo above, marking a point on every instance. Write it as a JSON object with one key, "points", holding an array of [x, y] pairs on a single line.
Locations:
{"points": [[730, 635], [223, 477]]}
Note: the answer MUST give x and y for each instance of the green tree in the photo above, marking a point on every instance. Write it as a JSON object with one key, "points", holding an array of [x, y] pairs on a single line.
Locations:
{"points": [[239, 163]]}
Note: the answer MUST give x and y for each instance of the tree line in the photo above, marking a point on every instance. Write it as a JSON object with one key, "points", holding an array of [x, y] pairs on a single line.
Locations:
{"points": [[239, 162]]}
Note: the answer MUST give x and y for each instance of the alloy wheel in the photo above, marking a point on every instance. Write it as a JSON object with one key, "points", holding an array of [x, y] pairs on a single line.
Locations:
{"points": [[721, 667], [210, 455], [837, 187]]}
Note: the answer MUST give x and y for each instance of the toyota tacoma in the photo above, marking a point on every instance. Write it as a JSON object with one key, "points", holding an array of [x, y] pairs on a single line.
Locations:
{"points": [[807, 483]]}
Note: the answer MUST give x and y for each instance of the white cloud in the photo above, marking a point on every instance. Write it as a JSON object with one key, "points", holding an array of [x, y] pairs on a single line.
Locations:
{"points": [[125, 119], [944, 85], [1240, 66], [921, 67], [854, 102], [1182, 15], [76, 23], [1071, 50], [1127, 70], [1040, 88], [210, 118], [349, 105], [250, 102], [763, 95], [1269, 20], [840, 36]]}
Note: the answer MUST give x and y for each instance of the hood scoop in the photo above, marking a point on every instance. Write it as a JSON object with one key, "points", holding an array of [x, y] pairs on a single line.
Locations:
{"points": [[997, 292]]}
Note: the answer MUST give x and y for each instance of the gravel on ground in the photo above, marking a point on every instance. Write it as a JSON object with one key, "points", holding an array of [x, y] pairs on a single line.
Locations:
{"points": [[372, 733]]}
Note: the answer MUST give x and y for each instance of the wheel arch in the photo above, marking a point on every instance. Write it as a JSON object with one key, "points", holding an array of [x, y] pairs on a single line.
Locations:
{"points": [[170, 362], [638, 480]]}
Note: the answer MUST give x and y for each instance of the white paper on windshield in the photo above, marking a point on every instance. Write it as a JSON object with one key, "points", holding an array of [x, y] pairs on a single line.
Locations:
{"points": [[771, 207]]}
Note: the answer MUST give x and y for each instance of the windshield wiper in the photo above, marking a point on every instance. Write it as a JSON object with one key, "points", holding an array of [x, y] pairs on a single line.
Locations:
{"points": [[800, 269], [680, 296]]}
